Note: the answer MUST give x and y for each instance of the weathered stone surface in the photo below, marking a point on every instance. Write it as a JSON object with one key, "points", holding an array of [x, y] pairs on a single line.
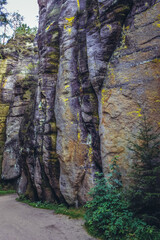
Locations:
{"points": [[14, 91], [98, 75], [76, 108], [4, 108], [132, 84]]}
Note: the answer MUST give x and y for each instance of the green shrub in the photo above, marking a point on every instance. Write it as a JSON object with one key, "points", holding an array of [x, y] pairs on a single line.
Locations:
{"points": [[107, 215]]}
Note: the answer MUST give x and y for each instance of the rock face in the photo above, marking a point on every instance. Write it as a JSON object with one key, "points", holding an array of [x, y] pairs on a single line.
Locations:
{"points": [[98, 74], [18, 83]]}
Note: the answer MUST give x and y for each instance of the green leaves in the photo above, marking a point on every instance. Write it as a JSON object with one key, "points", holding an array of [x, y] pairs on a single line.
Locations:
{"points": [[25, 29]]}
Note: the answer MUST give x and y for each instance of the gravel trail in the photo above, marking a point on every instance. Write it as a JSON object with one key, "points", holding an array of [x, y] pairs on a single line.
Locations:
{"points": [[19, 221]]}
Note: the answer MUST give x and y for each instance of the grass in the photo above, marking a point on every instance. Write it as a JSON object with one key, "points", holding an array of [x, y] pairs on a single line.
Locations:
{"points": [[58, 208], [5, 191]]}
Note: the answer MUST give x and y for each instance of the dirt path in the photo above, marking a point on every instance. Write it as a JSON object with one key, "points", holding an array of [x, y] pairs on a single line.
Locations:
{"points": [[19, 221]]}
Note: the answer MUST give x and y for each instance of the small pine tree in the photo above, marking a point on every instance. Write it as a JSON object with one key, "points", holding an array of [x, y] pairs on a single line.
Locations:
{"points": [[144, 194]]}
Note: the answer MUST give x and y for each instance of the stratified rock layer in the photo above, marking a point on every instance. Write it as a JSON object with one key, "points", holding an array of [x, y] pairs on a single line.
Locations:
{"points": [[98, 75]]}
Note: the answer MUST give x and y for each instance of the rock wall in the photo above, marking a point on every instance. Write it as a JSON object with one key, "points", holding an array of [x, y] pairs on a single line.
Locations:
{"points": [[98, 75], [18, 81]]}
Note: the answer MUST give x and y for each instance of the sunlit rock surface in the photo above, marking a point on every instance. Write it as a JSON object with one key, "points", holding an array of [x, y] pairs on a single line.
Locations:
{"points": [[77, 107]]}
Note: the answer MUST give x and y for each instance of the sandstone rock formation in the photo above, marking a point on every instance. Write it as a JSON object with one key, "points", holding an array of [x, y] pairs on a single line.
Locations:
{"points": [[98, 74], [18, 82]]}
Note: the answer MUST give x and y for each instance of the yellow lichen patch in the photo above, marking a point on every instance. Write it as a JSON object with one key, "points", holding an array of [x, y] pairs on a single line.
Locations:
{"points": [[47, 28], [79, 136], [90, 153], [105, 95], [4, 108], [4, 83], [123, 39], [156, 60], [67, 86], [78, 4], [69, 24], [78, 117], [53, 140], [66, 100], [2, 127], [102, 6], [53, 126], [123, 42], [3, 68], [2, 119], [136, 113], [30, 66], [70, 21], [157, 23], [109, 26], [69, 30]]}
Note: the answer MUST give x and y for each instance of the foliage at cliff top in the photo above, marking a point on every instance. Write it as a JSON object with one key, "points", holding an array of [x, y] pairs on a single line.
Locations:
{"points": [[3, 13], [25, 29], [12, 24]]}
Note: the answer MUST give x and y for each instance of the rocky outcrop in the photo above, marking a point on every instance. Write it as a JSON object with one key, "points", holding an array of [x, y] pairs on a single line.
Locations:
{"points": [[17, 88], [4, 108], [131, 88], [98, 75]]}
